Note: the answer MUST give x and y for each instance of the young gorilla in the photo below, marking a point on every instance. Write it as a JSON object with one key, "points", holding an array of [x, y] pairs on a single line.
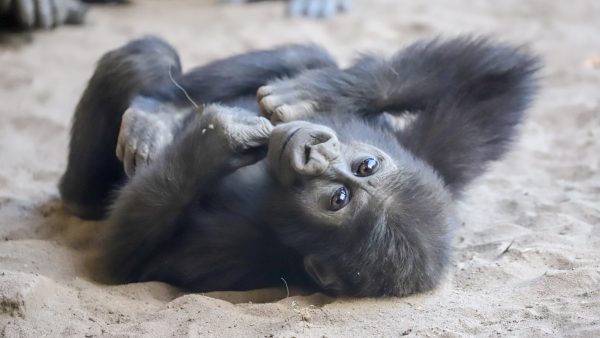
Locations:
{"points": [[344, 200]]}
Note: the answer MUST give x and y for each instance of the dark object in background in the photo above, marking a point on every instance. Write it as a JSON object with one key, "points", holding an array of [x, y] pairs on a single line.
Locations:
{"points": [[44, 14], [312, 8], [344, 200]]}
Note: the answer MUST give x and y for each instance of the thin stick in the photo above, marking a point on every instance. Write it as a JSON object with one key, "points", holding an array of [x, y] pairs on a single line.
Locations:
{"points": [[182, 89], [506, 249], [286, 287]]}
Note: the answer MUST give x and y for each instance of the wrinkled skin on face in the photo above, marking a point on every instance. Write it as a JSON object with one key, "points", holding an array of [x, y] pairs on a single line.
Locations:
{"points": [[364, 224]]}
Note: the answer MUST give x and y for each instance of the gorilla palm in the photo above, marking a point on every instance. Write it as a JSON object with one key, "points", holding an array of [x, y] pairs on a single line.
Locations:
{"points": [[335, 196]]}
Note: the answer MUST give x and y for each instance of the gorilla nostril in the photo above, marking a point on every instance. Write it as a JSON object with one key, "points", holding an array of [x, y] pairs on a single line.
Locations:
{"points": [[320, 138], [306, 153]]}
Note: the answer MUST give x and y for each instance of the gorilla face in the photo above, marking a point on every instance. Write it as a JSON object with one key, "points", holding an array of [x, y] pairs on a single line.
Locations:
{"points": [[365, 222], [332, 180]]}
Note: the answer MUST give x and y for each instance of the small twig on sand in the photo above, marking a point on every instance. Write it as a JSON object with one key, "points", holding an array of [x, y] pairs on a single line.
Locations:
{"points": [[286, 287], [506, 249]]}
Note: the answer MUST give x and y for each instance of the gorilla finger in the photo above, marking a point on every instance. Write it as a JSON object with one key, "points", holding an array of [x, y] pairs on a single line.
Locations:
{"points": [[261, 130], [286, 113], [283, 113], [141, 156], [25, 10], [263, 91], [257, 138], [129, 161], [248, 136], [269, 103], [120, 150], [43, 13], [156, 147]]}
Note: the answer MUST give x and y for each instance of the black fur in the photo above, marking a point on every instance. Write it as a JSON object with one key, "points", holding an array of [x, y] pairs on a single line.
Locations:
{"points": [[468, 95], [194, 219]]}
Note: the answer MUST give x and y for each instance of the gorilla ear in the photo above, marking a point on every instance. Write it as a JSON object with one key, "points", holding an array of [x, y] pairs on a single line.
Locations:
{"points": [[321, 274]]}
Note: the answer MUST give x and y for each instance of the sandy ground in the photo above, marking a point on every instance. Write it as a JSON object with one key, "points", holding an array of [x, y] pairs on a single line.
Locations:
{"points": [[528, 253]]}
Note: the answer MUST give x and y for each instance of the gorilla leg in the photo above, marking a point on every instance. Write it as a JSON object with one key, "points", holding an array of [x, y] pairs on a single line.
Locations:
{"points": [[153, 210], [93, 170]]}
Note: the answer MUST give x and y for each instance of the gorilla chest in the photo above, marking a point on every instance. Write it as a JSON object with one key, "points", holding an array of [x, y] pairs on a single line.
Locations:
{"points": [[242, 193]]}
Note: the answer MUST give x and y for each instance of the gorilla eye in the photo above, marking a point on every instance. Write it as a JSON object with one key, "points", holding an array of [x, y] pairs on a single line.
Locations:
{"points": [[340, 198], [367, 167]]}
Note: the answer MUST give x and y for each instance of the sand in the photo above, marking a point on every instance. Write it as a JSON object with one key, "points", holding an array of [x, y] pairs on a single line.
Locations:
{"points": [[527, 259]]}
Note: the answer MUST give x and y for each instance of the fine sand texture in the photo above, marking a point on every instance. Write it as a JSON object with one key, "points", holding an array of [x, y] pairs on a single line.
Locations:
{"points": [[527, 259]]}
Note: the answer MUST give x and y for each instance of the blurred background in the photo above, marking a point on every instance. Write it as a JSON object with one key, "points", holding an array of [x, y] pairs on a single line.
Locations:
{"points": [[541, 201]]}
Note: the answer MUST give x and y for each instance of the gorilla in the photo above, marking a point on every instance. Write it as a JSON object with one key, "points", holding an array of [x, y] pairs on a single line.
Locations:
{"points": [[341, 180]]}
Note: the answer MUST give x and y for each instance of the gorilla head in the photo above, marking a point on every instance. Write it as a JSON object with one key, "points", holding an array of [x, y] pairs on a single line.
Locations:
{"points": [[368, 217]]}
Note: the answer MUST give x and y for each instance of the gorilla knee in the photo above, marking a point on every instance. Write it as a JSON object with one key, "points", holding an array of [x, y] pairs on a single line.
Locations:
{"points": [[143, 60], [93, 170]]}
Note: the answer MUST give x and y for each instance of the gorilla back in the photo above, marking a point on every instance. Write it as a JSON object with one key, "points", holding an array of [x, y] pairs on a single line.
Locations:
{"points": [[324, 190]]}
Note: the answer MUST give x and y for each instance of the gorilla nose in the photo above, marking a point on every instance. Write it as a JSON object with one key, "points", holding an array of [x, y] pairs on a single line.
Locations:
{"points": [[302, 148], [314, 150]]}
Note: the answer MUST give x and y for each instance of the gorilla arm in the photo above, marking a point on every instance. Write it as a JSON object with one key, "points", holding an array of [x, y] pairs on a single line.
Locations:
{"points": [[150, 208], [159, 112], [468, 95]]}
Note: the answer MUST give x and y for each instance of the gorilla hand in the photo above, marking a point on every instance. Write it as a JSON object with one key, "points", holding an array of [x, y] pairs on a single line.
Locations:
{"points": [[147, 127], [233, 135], [287, 100], [44, 14]]}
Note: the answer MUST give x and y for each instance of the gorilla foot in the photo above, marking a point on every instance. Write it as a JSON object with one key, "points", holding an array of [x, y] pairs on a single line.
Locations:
{"points": [[236, 129], [147, 127]]}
